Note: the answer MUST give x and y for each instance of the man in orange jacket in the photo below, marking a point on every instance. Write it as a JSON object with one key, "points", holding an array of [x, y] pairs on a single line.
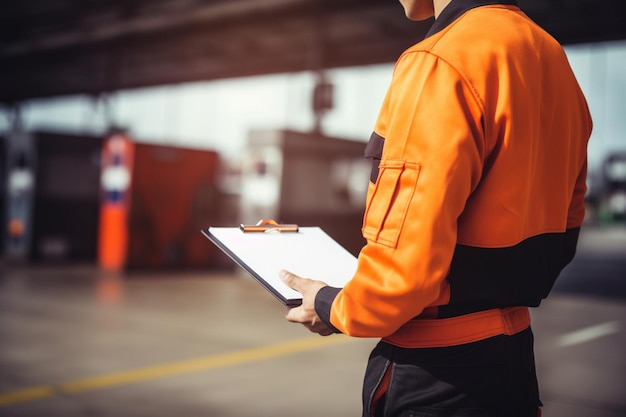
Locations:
{"points": [[474, 206]]}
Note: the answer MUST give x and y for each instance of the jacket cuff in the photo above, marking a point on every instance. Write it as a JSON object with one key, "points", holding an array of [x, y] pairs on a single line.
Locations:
{"points": [[323, 304]]}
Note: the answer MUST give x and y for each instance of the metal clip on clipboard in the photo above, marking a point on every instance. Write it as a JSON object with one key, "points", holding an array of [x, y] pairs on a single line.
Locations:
{"points": [[267, 226]]}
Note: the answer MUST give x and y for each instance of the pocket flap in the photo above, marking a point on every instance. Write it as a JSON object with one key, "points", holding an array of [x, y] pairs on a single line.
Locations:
{"points": [[389, 201]]}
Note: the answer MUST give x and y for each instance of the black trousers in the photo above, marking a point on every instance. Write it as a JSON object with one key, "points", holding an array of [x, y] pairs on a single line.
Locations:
{"points": [[494, 377]]}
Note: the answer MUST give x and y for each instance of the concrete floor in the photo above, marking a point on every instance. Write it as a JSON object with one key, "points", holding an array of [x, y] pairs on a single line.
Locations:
{"points": [[77, 342]]}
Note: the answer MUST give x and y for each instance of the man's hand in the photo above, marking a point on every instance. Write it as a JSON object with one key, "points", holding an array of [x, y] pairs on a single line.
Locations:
{"points": [[305, 313]]}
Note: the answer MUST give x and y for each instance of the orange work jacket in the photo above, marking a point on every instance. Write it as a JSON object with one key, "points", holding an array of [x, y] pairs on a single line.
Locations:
{"points": [[477, 192]]}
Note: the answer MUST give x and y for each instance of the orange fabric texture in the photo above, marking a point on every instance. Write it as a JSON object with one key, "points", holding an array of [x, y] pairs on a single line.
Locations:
{"points": [[432, 333], [486, 149]]}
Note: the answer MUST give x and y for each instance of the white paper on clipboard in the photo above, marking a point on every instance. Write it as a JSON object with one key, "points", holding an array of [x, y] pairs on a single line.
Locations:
{"points": [[308, 253]]}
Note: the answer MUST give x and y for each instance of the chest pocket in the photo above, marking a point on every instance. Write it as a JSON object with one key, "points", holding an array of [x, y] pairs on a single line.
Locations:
{"points": [[388, 202]]}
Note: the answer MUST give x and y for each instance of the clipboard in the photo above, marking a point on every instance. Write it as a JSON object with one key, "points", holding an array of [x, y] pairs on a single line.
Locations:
{"points": [[308, 252]]}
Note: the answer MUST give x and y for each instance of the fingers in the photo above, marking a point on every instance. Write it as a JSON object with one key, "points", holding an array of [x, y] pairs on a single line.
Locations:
{"points": [[296, 315], [313, 323], [303, 285], [291, 280], [305, 314]]}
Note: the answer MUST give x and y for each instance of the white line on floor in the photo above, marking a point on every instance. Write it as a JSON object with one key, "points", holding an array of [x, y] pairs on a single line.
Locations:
{"points": [[589, 333]]}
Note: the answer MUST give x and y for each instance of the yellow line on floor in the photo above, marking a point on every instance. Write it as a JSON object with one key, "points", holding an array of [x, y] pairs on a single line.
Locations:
{"points": [[171, 369], [25, 395]]}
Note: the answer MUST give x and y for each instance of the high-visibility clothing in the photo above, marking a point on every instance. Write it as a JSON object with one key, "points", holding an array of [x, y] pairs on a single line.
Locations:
{"points": [[477, 192], [491, 377], [467, 328]]}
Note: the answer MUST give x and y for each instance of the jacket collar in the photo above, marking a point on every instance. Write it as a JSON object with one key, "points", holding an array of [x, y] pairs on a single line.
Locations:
{"points": [[456, 8]]}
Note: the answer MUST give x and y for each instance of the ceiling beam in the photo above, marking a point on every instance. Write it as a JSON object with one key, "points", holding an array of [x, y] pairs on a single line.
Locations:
{"points": [[64, 47]]}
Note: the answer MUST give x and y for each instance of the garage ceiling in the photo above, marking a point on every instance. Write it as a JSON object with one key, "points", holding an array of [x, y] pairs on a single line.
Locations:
{"points": [[62, 47]]}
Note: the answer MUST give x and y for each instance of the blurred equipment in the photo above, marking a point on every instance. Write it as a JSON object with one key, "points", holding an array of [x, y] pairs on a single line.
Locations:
{"points": [[20, 191], [614, 169], [3, 188], [323, 100], [115, 180], [155, 200], [309, 179], [65, 210], [50, 195]]}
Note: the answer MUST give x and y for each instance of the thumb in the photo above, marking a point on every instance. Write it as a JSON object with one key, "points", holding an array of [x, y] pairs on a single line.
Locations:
{"points": [[291, 280]]}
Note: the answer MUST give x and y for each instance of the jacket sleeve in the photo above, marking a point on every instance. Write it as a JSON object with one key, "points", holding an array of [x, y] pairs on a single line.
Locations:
{"points": [[432, 160]]}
